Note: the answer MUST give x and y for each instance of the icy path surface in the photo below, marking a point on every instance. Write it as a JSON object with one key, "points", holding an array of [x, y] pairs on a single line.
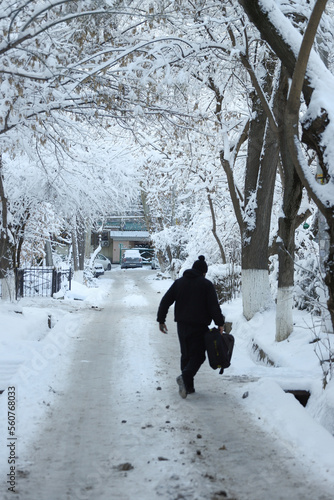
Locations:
{"points": [[120, 431]]}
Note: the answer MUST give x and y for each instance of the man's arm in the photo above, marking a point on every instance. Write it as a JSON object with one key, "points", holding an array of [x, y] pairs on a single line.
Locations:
{"points": [[163, 327], [215, 310], [167, 300]]}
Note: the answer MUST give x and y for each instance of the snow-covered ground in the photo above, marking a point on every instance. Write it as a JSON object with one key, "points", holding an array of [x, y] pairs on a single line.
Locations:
{"points": [[38, 337]]}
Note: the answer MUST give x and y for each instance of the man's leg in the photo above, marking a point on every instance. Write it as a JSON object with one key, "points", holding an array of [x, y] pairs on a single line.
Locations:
{"points": [[192, 352], [182, 334], [196, 350]]}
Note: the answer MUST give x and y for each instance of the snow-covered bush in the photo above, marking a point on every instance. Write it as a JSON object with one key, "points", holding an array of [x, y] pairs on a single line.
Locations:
{"points": [[227, 280], [170, 244], [308, 280], [42, 223], [88, 275], [308, 277], [324, 350]]}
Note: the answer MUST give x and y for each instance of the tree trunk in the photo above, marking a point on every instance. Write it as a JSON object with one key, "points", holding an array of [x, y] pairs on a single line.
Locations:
{"points": [[75, 251], [8, 287], [324, 246], [292, 195], [81, 240], [7, 278], [48, 254], [324, 203], [214, 230], [329, 278], [286, 248], [147, 214], [261, 170], [88, 237], [313, 130]]}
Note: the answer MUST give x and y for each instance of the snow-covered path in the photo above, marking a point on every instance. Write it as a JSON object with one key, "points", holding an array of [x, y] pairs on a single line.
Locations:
{"points": [[120, 431]]}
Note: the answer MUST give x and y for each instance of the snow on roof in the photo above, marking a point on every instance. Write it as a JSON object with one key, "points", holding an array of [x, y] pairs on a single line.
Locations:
{"points": [[128, 235]]}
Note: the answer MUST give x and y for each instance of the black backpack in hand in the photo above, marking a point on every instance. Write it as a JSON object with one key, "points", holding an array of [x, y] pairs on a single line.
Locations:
{"points": [[219, 348]]}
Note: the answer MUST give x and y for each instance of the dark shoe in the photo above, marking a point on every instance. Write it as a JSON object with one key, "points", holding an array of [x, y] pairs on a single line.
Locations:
{"points": [[182, 387], [190, 391]]}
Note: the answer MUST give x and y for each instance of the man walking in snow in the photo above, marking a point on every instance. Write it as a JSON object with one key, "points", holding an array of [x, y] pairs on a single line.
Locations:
{"points": [[196, 305]]}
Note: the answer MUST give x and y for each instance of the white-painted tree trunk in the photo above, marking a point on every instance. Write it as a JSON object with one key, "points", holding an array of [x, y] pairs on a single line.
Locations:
{"points": [[78, 276], [88, 237], [93, 255], [284, 317], [8, 288], [326, 321], [256, 294]]}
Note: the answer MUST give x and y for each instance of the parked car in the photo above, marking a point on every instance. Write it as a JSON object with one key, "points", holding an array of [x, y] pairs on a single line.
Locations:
{"points": [[146, 254], [155, 263], [131, 258], [101, 259], [98, 269]]}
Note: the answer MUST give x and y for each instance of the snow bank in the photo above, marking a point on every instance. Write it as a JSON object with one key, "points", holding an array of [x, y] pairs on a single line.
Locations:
{"points": [[37, 336]]}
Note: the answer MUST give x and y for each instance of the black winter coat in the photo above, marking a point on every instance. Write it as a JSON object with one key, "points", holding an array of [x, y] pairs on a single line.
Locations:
{"points": [[195, 298]]}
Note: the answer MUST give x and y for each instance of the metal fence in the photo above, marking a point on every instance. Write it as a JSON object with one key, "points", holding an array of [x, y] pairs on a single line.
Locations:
{"points": [[41, 281]]}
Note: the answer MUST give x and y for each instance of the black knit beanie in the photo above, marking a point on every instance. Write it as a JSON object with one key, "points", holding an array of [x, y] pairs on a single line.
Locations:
{"points": [[200, 265]]}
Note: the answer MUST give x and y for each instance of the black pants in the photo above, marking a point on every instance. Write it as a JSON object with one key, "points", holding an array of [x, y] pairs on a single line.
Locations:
{"points": [[192, 346]]}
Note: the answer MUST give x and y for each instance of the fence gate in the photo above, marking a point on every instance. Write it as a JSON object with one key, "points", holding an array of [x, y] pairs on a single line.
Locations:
{"points": [[41, 281]]}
